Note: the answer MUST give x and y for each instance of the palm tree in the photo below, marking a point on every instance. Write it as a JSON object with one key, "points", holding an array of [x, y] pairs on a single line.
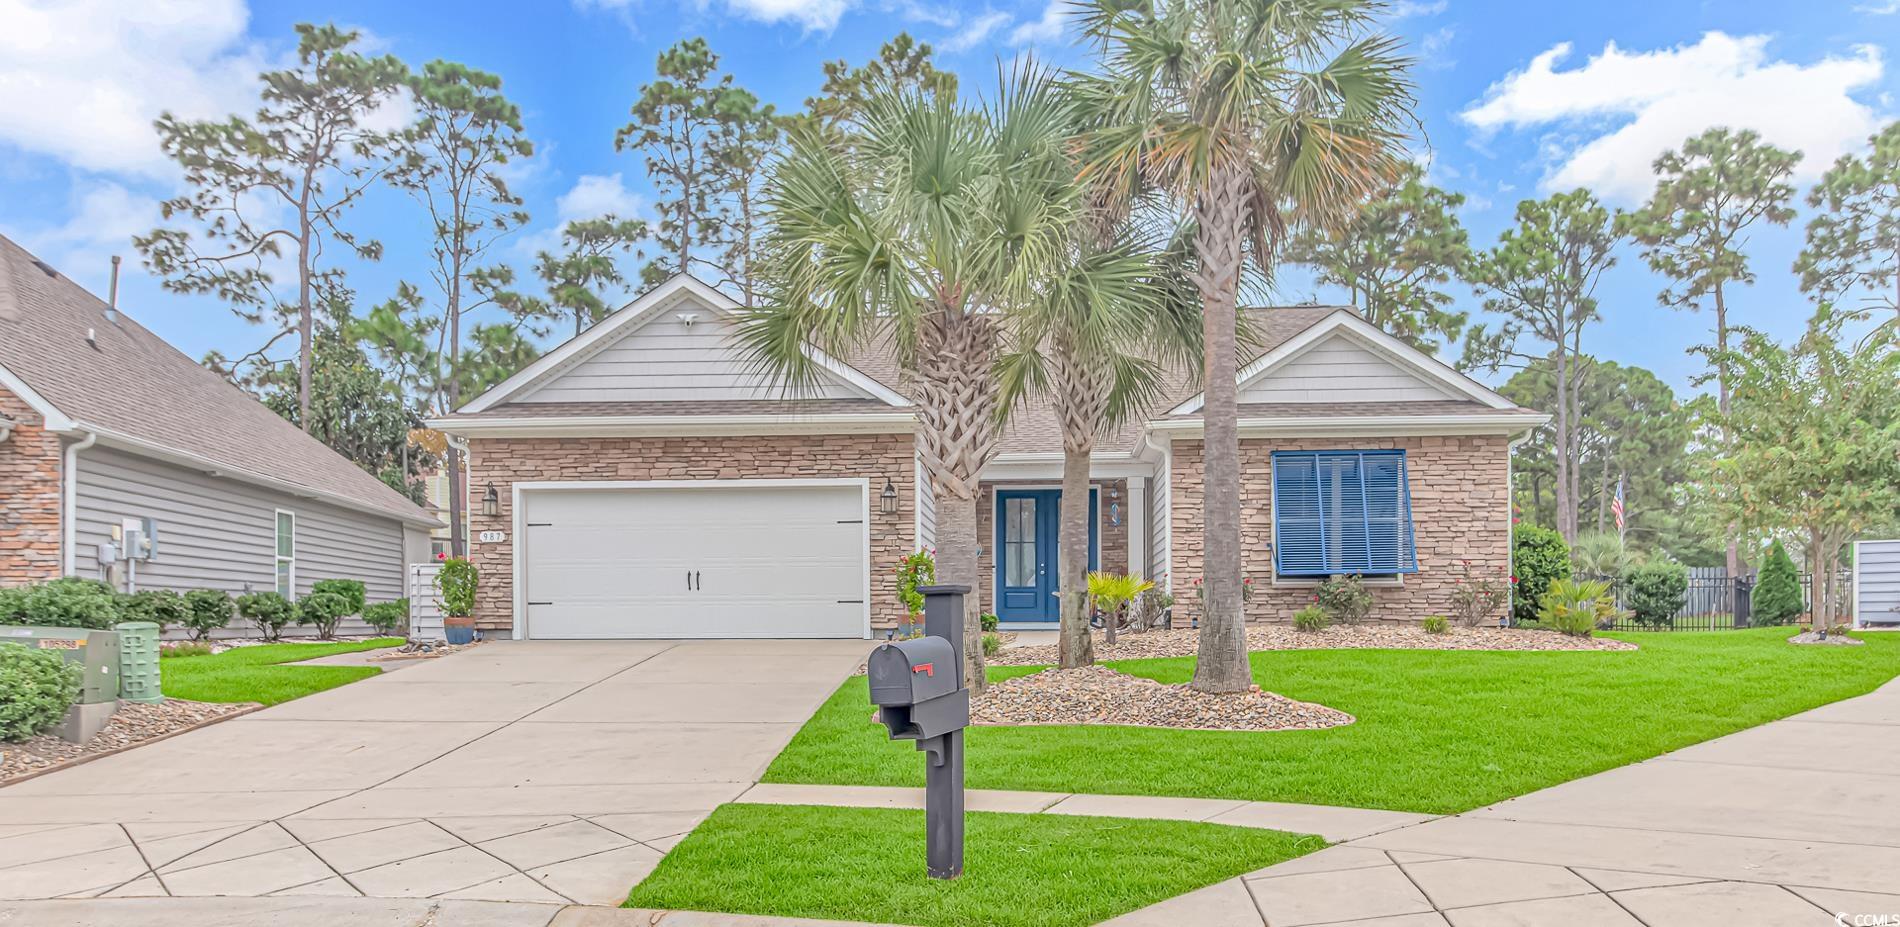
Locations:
{"points": [[1256, 115], [925, 227]]}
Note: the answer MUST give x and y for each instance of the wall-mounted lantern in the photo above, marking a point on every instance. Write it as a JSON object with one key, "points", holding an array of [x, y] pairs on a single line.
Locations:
{"points": [[491, 502], [887, 500]]}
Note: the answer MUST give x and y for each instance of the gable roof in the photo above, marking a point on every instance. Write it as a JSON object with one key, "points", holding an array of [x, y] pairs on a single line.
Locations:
{"points": [[628, 319], [84, 371]]}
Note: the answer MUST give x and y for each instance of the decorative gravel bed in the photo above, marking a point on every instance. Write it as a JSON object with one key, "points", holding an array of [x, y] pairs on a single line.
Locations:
{"points": [[1098, 695], [132, 724], [420, 650], [1186, 642], [1832, 640]]}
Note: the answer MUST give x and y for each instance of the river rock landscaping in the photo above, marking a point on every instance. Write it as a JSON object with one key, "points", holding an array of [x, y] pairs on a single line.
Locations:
{"points": [[1098, 695], [1184, 642], [133, 724]]}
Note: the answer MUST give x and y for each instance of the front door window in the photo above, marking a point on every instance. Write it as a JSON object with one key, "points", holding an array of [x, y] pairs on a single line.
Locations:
{"points": [[1019, 541]]}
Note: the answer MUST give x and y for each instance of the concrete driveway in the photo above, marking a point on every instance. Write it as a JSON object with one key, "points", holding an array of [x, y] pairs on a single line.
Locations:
{"points": [[548, 772]]}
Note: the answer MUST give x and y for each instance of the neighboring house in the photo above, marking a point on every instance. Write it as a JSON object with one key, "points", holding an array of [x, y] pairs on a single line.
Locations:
{"points": [[650, 483], [112, 428]]}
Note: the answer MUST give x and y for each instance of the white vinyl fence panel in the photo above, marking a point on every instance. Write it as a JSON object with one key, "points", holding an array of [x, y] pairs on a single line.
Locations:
{"points": [[1876, 583], [425, 613]]}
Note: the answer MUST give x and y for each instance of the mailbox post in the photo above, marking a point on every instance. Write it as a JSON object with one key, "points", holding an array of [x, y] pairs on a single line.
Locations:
{"points": [[918, 687]]}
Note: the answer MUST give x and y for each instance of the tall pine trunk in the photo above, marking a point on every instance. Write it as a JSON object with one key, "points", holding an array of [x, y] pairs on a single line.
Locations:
{"points": [[1733, 556], [1075, 648], [1221, 211]]}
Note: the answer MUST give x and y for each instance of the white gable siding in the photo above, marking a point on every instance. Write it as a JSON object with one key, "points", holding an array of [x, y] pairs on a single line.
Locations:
{"points": [[1340, 369], [1160, 525], [666, 360]]}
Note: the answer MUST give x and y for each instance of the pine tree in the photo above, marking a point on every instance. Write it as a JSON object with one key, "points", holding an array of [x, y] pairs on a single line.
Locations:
{"points": [[1777, 596]]}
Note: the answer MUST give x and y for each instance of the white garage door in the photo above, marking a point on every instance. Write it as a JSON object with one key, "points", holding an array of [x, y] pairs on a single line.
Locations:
{"points": [[721, 560]]}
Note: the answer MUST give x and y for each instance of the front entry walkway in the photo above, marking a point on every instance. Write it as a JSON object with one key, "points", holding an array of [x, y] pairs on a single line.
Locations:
{"points": [[538, 772]]}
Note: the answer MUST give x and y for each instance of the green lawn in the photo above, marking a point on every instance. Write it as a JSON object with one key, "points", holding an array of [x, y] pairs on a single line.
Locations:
{"points": [[867, 864], [1438, 731], [264, 673]]}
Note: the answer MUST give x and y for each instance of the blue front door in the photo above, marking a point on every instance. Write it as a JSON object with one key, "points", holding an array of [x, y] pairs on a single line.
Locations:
{"points": [[1028, 524]]}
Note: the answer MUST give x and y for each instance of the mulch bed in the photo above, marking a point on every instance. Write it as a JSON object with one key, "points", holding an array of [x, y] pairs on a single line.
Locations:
{"points": [[1832, 640], [134, 723], [1181, 642], [1098, 695]]}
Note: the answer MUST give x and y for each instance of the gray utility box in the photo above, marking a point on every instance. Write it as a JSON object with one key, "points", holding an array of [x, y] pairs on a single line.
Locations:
{"points": [[917, 686], [96, 652]]}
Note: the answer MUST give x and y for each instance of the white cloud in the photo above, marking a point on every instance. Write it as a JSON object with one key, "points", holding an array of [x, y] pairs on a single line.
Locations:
{"points": [[812, 15], [1879, 9], [592, 196], [1046, 29], [1434, 50], [1409, 8], [975, 32], [82, 81], [1620, 110]]}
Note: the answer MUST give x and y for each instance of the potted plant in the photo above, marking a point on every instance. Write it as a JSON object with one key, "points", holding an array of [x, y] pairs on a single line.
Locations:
{"points": [[455, 587]]}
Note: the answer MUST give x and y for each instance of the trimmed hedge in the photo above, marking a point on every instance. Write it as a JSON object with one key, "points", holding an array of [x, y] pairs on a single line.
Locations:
{"points": [[206, 610], [36, 688], [1656, 591], [1539, 557], [386, 617], [70, 602], [269, 611], [350, 589]]}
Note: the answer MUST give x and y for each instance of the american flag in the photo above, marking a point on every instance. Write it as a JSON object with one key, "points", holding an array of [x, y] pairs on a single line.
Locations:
{"points": [[1616, 505]]}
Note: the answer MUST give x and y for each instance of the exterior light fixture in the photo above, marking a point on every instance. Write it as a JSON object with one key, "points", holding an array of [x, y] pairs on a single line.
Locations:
{"points": [[491, 502], [887, 500]]}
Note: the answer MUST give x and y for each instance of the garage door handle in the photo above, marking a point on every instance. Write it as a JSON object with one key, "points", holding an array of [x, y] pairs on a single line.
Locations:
{"points": [[540, 603], [697, 584]]}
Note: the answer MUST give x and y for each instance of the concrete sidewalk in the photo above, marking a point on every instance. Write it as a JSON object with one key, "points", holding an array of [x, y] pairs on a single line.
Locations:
{"points": [[1786, 824], [539, 773]]}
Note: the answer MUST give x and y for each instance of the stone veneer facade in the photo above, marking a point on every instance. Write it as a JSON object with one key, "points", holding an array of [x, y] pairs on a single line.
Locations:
{"points": [[1460, 490], [1111, 539], [29, 497], [505, 461]]}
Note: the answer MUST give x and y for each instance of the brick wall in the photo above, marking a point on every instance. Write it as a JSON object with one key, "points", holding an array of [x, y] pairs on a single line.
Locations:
{"points": [[29, 497], [504, 461], [1112, 539], [1460, 510]]}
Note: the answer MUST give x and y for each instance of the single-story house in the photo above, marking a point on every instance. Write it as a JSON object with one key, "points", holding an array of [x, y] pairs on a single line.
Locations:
{"points": [[646, 481], [111, 435]]}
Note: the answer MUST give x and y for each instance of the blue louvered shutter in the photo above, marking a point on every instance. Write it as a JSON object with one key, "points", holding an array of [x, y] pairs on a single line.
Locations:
{"points": [[1341, 512], [1298, 544]]}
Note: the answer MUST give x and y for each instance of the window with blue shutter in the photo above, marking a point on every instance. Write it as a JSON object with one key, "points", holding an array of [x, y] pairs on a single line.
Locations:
{"points": [[1341, 512]]}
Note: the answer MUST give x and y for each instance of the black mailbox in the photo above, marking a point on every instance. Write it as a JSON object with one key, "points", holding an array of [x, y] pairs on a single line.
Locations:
{"points": [[913, 671]]}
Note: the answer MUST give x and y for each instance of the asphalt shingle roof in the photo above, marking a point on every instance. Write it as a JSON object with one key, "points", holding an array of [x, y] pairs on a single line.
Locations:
{"points": [[130, 382]]}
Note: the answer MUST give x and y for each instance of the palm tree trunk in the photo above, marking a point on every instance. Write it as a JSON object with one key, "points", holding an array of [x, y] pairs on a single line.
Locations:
{"points": [[1075, 647], [957, 566], [1220, 212]]}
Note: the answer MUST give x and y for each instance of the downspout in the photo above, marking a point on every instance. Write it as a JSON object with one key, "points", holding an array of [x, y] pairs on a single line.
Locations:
{"points": [[457, 443], [69, 503]]}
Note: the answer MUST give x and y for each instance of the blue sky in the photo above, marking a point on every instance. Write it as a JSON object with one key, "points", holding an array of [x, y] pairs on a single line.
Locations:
{"points": [[1517, 99]]}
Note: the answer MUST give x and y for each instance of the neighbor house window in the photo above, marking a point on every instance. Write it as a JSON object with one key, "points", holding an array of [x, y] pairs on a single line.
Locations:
{"points": [[286, 553], [1341, 512]]}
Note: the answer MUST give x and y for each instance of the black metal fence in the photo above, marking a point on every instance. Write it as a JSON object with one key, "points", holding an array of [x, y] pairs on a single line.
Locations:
{"points": [[1714, 601]]}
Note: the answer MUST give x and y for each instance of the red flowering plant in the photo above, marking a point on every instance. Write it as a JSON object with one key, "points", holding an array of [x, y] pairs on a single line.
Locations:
{"points": [[918, 569], [1477, 597]]}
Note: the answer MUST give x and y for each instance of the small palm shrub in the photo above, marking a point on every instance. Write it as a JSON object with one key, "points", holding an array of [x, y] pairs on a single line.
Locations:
{"points": [[270, 612], [386, 617], [324, 610], [1111, 594], [1311, 618], [1435, 624], [1777, 595], [1345, 599], [1538, 557], [1577, 607], [68, 602], [1656, 591], [1601, 554], [161, 607], [206, 610], [36, 688], [352, 591], [455, 586]]}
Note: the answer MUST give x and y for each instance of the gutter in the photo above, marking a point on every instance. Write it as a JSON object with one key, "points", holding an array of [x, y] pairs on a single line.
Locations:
{"points": [[1317, 426], [69, 502]]}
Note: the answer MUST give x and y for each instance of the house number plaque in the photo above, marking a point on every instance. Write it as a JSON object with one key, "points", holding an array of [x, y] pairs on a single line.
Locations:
{"points": [[492, 537]]}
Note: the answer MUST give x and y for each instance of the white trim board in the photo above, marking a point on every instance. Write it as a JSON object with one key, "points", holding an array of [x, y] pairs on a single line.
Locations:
{"points": [[591, 426], [628, 319], [51, 418]]}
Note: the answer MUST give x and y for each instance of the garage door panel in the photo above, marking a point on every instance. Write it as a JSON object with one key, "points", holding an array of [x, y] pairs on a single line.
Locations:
{"points": [[777, 561]]}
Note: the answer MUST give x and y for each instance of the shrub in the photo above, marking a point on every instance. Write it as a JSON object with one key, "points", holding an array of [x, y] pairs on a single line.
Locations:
{"points": [[350, 589], [1435, 624], [1345, 599], [1602, 554], [1149, 608], [455, 585], [13, 604], [269, 611], [206, 610], [323, 610], [1311, 618], [36, 688], [992, 644], [989, 621], [386, 617], [1539, 556], [1777, 596], [1112, 593], [162, 607], [1577, 608], [1477, 599], [1656, 591], [918, 569], [69, 602], [184, 649]]}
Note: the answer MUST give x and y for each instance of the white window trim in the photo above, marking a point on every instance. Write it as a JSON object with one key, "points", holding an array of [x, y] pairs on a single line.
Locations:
{"points": [[276, 525]]}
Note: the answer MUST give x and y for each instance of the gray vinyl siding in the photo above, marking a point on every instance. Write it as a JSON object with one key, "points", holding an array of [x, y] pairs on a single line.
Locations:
{"points": [[219, 533], [1878, 582], [1160, 524], [666, 360], [1339, 369], [926, 506]]}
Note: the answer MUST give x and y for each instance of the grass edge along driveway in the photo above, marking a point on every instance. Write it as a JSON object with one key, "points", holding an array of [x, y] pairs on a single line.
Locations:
{"points": [[1438, 732], [264, 673], [1020, 870]]}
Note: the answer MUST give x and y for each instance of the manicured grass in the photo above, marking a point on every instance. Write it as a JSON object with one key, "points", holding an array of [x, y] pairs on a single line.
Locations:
{"points": [[1438, 731], [264, 673], [867, 864]]}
